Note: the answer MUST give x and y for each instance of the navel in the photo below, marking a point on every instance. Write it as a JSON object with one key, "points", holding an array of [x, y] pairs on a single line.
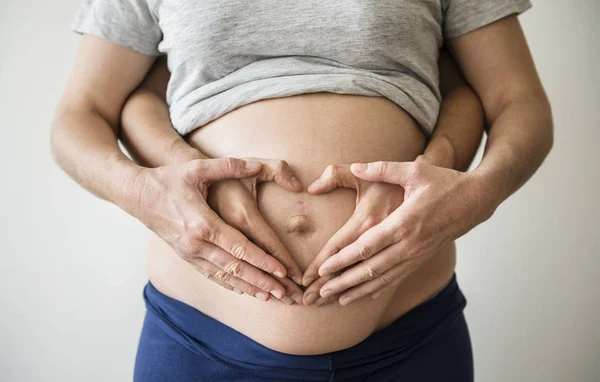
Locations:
{"points": [[300, 225]]}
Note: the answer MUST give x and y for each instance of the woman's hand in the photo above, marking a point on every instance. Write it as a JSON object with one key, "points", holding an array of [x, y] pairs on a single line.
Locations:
{"points": [[439, 206], [374, 202], [171, 201], [234, 200]]}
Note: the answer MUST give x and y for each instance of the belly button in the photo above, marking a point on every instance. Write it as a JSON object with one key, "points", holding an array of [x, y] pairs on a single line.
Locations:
{"points": [[301, 225]]}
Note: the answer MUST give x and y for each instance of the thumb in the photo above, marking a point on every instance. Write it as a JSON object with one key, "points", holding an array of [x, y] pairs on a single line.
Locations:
{"points": [[219, 169], [389, 172], [333, 176]]}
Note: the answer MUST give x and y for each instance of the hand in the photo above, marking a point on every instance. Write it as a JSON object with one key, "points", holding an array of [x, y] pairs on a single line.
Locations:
{"points": [[374, 202], [171, 201], [234, 200], [440, 205]]}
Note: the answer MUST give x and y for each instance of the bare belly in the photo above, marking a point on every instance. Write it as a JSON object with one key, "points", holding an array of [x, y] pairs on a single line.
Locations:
{"points": [[309, 131]]}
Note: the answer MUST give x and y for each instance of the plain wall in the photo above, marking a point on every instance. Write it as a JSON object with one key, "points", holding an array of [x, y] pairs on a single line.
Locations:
{"points": [[72, 267]]}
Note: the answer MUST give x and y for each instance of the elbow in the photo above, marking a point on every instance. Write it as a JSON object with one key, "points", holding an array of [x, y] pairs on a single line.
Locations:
{"points": [[548, 124], [55, 138]]}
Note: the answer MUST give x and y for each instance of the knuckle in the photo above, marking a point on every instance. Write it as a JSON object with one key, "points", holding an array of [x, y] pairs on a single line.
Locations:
{"points": [[334, 249], [383, 167], [385, 280], [240, 250], [229, 165], [201, 230], [371, 273], [222, 276], [234, 269], [364, 252], [187, 247]]}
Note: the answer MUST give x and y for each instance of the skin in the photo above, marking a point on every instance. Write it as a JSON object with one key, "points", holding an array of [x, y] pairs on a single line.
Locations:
{"points": [[84, 143], [440, 204], [151, 139]]}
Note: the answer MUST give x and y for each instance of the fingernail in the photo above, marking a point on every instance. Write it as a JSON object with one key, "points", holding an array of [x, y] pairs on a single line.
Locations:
{"points": [[297, 280], [277, 293], [312, 297], [345, 300], [325, 292], [236, 290], [278, 274], [320, 302], [261, 296], [308, 280], [297, 297], [295, 181], [375, 295], [286, 300], [359, 167], [252, 165]]}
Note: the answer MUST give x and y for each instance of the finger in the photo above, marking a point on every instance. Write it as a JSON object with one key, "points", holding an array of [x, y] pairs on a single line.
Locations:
{"points": [[279, 172], [209, 170], [209, 270], [333, 176], [378, 286], [240, 286], [260, 232], [368, 270], [232, 241], [346, 235], [327, 300], [390, 172], [293, 290], [232, 267], [311, 294], [368, 244]]}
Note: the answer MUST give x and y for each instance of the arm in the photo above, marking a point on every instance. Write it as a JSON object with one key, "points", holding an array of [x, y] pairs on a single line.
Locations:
{"points": [[84, 144], [459, 128], [497, 62], [441, 204], [146, 130], [85, 125], [148, 135]]}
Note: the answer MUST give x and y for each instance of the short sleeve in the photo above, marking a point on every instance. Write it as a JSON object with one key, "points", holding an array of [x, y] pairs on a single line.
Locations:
{"points": [[129, 23], [463, 16]]}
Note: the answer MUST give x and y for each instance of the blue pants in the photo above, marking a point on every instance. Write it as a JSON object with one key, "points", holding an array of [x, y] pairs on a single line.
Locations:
{"points": [[429, 343]]}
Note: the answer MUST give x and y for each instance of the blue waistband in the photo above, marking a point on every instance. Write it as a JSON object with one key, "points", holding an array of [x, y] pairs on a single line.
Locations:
{"points": [[205, 335]]}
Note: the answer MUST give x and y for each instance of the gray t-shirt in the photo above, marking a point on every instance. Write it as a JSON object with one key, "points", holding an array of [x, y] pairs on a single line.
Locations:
{"points": [[223, 54]]}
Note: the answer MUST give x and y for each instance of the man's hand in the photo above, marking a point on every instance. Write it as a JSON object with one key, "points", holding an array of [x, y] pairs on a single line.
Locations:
{"points": [[439, 206], [171, 201]]}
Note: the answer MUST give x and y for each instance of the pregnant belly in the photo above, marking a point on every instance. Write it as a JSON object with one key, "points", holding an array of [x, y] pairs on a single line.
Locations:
{"points": [[309, 131]]}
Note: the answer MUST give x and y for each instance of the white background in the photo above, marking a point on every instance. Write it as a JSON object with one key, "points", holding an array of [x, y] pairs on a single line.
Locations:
{"points": [[72, 266]]}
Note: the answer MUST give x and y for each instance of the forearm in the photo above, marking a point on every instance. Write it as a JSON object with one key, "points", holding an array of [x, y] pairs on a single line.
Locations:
{"points": [[84, 145], [148, 135], [458, 132], [518, 141]]}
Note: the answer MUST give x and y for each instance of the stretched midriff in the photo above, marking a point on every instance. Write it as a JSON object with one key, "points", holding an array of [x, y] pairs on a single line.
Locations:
{"points": [[309, 131]]}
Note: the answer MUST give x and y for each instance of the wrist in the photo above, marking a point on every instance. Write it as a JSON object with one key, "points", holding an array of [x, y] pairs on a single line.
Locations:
{"points": [[439, 153], [125, 174], [181, 152], [492, 185]]}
